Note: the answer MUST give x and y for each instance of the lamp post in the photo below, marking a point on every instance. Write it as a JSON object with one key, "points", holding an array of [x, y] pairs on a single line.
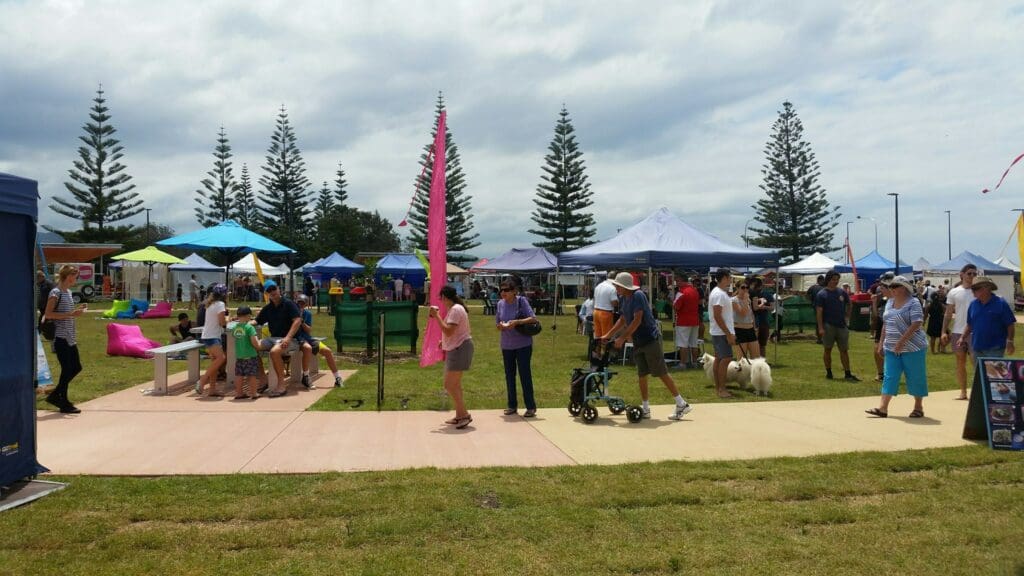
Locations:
{"points": [[746, 241], [147, 225], [949, 237], [875, 222], [848, 222], [896, 198]]}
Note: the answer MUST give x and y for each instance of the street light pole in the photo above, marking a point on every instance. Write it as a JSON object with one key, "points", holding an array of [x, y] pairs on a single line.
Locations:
{"points": [[949, 237], [896, 197], [875, 222], [746, 240]]}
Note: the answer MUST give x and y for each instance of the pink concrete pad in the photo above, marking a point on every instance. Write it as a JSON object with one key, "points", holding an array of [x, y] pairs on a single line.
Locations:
{"points": [[183, 398], [319, 441], [155, 443]]}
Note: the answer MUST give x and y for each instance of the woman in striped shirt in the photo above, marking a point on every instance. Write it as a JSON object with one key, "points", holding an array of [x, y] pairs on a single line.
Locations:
{"points": [[904, 345], [60, 308]]}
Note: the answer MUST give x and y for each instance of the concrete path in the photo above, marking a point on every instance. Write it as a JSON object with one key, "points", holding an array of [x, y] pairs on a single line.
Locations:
{"points": [[128, 433]]}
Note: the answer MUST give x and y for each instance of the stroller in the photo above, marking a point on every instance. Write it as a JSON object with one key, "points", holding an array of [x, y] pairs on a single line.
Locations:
{"points": [[591, 385]]}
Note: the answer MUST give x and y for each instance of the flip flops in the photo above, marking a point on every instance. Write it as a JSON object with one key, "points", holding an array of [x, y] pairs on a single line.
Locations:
{"points": [[917, 414], [463, 422], [877, 413]]}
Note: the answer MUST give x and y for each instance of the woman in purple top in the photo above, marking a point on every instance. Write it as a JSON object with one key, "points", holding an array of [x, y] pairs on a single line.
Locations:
{"points": [[516, 349]]}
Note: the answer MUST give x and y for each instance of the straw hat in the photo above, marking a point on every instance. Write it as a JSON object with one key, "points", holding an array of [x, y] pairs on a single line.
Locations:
{"points": [[983, 281], [624, 280], [901, 281]]}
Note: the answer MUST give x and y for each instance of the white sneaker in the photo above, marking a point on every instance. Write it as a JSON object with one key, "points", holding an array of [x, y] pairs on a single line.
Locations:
{"points": [[339, 383], [645, 413], [680, 412]]}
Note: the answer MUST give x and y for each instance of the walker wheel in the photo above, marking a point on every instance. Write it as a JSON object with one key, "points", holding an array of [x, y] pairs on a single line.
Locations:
{"points": [[616, 406], [575, 408], [634, 414], [589, 414]]}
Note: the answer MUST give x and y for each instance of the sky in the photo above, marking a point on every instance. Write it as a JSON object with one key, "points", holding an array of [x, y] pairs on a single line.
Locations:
{"points": [[672, 104]]}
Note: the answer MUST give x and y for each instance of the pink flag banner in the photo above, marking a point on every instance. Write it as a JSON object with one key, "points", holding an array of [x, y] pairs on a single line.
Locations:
{"points": [[1015, 160], [437, 247]]}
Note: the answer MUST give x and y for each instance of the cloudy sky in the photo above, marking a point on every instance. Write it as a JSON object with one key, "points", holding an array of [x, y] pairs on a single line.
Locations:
{"points": [[672, 103]]}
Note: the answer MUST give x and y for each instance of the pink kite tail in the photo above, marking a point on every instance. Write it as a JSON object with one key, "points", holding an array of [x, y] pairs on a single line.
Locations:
{"points": [[437, 248], [1015, 160]]}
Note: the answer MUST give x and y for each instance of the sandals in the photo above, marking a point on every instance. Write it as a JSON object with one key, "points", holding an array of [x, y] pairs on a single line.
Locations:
{"points": [[463, 422], [878, 413], [917, 414], [452, 421]]}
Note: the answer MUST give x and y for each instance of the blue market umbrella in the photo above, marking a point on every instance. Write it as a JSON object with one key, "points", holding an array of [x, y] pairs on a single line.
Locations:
{"points": [[230, 240]]}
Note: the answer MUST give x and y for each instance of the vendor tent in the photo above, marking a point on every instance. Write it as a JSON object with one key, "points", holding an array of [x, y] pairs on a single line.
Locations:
{"points": [[662, 240], [405, 266], [335, 265], [522, 260], [805, 272], [1002, 276], [454, 270], [871, 266], [1007, 263], [245, 265], [921, 265], [205, 272]]}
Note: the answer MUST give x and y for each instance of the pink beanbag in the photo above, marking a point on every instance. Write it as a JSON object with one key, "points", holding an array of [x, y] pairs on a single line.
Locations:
{"points": [[161, 310], [124, 340]]}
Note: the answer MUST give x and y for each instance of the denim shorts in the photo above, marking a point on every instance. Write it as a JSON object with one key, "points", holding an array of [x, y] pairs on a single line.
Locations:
{"points": [[210, 342], [722, 347]]}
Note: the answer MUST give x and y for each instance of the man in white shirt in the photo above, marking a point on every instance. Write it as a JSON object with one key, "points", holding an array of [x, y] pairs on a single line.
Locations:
{"points": [[399, 284], [723, 333], [957, 302], [605, 302]]}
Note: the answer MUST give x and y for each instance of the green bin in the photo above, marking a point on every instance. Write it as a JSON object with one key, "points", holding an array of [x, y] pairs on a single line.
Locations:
{"points": [[860, 317]]}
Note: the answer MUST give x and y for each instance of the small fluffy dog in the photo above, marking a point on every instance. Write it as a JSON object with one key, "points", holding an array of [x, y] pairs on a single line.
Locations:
{"points": [[760, 376], [708, 362]]}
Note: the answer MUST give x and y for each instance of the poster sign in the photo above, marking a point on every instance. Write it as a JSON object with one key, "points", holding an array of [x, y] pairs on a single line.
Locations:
{"points": [[996, 395], [43, 376]]}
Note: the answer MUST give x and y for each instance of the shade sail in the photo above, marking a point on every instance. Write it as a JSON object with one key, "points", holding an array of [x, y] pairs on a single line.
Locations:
{"points": [[964, 258], [662, 240], [522, 260], [149, 255], [228, 236], [334, 264], [816, 263]]}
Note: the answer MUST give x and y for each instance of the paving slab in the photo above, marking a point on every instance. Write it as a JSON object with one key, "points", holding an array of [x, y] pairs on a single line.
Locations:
{"points": [[742, 430]]}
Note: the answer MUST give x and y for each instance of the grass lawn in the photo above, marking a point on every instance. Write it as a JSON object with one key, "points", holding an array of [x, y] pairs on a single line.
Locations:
{"points": [[798, 373], [948, 511]]}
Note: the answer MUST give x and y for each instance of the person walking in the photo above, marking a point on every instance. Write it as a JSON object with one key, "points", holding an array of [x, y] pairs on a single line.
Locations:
{"points": [[762, 303], [743, 322], [516, 349], [60, 307], [934, 314], [605, 302], [723, 332], [457, 342], [832, 310], [904, 345], [637, 323], [43, 288], [991, 324], [213, 329], [193, 293], [958, 301], [687, 320]]}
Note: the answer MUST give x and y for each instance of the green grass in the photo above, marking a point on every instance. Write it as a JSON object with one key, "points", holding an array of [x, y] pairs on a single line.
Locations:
{"points": [[798, 372], [948, 511]]}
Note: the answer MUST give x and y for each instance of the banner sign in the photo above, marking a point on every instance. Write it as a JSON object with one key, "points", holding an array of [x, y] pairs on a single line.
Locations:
{"points": [[43, 376], [996, 399]]}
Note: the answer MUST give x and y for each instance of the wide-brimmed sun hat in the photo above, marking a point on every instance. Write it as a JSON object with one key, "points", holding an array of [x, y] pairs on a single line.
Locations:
{"points": [[901, 281], [983, 281], [624, 280]]}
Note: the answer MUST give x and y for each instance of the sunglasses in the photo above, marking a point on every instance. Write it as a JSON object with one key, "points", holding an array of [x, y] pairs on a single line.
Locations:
{"points": [[970, 273], [744, 287], [506, 289]]}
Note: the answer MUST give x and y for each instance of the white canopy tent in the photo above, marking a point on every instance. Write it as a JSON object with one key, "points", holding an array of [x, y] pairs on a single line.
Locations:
{"points": [[206, 274], [1007, 263], [805, 272], [245, 265]]}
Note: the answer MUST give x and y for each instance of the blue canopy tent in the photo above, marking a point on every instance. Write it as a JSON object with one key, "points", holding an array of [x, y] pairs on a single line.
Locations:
{"points": [[1001, 275], [334, 265], [18, 215], [228, 239], [662, 240], [871, 266], [405, 266]]}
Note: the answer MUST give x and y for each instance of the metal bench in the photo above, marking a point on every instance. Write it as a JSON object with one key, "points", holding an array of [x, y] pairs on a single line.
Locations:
{"points": [[294, 363], [191, 349]]}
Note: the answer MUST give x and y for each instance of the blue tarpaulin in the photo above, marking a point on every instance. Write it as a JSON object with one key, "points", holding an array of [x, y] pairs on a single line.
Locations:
{"points": [[405, 266], [18, 214], [522, 260], [664, 241], [873, 265]]}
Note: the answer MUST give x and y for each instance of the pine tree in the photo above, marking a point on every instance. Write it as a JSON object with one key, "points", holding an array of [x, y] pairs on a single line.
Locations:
{"points": [[101, 192], [458, 204], [284, 203], [564, 194], [341, 188], [323, 209], [216, 199], [795, 214], [245, 202]]}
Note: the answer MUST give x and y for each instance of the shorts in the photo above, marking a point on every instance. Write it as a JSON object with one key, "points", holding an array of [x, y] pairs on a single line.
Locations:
{"points": [[459, 359], [991, 353], [954, 343], [210, 342], [603, 322], [687, 336], [878, 331], [836, 335], [267, 343], [912, 364], [722, 347], [745, 335], [247, 366], [650, 359]]}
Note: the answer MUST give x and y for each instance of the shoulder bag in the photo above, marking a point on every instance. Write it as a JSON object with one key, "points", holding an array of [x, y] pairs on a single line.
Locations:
{"points": [[531, 329]]}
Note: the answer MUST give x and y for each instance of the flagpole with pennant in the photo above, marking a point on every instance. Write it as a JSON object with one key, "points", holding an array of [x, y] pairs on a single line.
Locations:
{"points": [[437, 247]]}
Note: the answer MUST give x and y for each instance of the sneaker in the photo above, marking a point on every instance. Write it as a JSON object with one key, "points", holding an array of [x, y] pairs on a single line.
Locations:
{"points": [[530, 413], [681, 411], [851, 378], [305, 381], [645, 413], [69, 408], [262, 388], [198, 387], [338, 382], [828, 376]]}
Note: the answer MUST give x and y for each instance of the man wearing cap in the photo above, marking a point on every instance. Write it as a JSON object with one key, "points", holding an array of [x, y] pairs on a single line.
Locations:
{"points": [[723, 331], [958, 302], [832, 309], [686, 306], [637, 323], [605, 301], [284, 321], [990, 322], [306, 335]]}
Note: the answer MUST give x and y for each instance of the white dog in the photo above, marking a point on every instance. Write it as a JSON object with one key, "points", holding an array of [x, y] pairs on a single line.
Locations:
{"points": [[732, 375], [760, 376]]}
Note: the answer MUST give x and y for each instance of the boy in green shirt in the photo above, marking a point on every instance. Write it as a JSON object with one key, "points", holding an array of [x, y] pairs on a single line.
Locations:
{"points": [[247, 362]]}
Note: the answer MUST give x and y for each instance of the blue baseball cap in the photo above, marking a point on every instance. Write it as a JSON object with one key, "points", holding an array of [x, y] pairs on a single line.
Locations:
{"points": [[269, 284]]}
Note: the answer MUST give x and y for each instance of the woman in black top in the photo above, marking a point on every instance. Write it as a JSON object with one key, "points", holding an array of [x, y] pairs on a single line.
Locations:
{"points": [[933, 315]]}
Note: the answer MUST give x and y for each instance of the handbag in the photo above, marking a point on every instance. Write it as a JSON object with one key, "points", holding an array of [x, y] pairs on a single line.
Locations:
{"points": [[48, 329], [531, 329]]}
